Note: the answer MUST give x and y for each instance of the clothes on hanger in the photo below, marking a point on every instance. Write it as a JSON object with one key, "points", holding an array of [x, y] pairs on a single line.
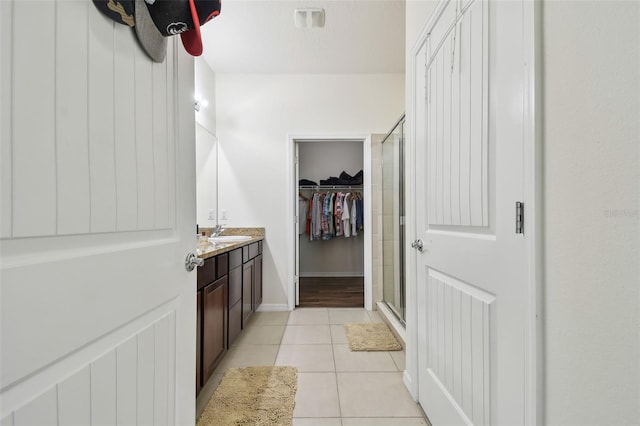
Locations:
{"points": [[332, 214]]}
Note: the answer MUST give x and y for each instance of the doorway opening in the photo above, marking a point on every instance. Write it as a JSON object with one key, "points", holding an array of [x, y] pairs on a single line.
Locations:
{"points": [[330, 200]]}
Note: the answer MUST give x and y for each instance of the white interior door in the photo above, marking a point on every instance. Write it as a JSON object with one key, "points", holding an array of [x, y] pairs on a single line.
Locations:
{"points": [[471, 272], [98, 214], [296, 276]]}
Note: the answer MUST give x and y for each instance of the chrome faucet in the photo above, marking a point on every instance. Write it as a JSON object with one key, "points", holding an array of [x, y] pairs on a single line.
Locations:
{"points": [[216, 231]]}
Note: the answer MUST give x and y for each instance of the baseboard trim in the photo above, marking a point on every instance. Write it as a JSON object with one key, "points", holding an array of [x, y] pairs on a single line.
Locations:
{"points": [[273, 307], [406, 378]]}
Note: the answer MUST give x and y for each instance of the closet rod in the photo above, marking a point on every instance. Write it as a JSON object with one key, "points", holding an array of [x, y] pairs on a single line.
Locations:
{"points": [[357, 187]]}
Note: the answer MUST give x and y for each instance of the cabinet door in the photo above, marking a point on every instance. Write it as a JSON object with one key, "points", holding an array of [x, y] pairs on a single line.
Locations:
{"points": [[235, 322], [199, 343], [235, 302], [235, 285], [257, 282], [247, 291], [214, 326]]}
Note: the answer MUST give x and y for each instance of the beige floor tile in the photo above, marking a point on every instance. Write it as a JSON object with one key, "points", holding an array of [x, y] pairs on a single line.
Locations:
{"points": [[248, 356], [307, 316], [338, 335], [269, 318], [260, 335], [317, 395], [362, 361], [395, 421], [307, 358], [341, 316], [306, 335], [317, 422], [375, 395], [399, 357]]}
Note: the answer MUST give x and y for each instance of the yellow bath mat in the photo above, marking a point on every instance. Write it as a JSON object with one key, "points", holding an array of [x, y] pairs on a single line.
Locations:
{"points": [[371, 336]]}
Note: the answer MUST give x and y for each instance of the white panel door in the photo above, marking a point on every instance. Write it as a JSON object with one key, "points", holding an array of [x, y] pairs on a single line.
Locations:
{"points": [[471, 272], [296, 275], [98, 215]]}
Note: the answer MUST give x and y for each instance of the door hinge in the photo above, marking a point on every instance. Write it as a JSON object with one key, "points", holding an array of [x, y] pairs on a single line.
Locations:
{"points": [[519, 217]]}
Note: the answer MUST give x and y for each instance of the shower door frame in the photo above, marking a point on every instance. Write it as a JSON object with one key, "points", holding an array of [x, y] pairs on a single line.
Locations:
{"points": [[402, 218]]}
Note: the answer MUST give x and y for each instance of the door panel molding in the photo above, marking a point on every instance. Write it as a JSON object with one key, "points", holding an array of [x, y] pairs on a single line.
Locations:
{"points": [[459, 338], [131, 349]]}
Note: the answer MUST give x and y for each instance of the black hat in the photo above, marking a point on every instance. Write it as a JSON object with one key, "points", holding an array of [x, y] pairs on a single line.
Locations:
{"points": [[155, 20]]}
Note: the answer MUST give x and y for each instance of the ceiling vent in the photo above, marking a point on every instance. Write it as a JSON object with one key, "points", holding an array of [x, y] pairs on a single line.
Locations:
{"points": [[309, 18]]}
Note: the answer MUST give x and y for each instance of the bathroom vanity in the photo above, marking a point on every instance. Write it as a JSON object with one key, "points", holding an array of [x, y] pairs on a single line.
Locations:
{"points": [[229, 291]]}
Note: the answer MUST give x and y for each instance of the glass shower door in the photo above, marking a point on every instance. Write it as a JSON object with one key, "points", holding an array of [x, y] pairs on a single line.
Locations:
{"points": [[393, 275]]}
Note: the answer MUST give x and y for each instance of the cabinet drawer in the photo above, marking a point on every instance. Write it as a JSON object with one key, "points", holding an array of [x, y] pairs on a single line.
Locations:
{"points": [[207, 272], [254, 250], [259, 247], [235, 258], [222, 265], [245, 254]]}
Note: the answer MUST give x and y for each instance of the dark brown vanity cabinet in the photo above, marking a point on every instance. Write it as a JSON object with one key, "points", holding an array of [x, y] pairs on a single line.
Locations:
{"points": [[257, 282], [247, 290], [214, 326], [199, 343], [235, 295], [211, 338], [229, 291], [251, 280]]}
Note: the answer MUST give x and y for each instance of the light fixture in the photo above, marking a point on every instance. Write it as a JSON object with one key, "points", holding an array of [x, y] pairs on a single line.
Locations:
{"points": [[309, 17]]}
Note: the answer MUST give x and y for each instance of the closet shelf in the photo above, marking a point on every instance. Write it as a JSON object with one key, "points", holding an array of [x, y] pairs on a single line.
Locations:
{"points": [[330, 186]]}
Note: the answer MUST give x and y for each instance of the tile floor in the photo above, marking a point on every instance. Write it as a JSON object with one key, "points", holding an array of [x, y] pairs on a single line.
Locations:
{"points": [[336, 387]]}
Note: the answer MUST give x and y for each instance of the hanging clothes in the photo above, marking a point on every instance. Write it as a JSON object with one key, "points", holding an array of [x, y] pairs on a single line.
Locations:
{"points": [[326, 215], [346, 223], [354, 215], [337, 213]]}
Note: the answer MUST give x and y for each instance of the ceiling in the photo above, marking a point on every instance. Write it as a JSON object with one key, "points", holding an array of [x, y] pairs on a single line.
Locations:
{"points": [[259, 36]]}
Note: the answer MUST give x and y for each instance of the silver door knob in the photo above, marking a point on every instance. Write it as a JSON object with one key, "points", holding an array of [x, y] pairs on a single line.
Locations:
{"points": [[417, 244], [192, 261]]}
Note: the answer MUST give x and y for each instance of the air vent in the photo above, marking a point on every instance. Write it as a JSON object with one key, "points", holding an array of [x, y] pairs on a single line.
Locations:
{"points": [[309, 18]]}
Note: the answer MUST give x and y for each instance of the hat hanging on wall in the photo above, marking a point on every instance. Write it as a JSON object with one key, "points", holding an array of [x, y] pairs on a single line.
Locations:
{"points": [[155, 20]]}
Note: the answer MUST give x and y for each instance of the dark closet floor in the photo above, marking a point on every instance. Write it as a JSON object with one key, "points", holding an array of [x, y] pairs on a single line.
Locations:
{"points": [[332, 292]]}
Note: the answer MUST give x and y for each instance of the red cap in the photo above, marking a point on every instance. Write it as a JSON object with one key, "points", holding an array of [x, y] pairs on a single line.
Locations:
{"points": [[192, 39]]}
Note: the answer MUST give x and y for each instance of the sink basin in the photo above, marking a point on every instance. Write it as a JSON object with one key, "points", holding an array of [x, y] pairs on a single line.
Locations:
{"points": [[229, 238]]}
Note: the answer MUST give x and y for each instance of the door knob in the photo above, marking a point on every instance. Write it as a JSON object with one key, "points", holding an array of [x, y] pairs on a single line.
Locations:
{"points": [[192, 261], [417, 244]]}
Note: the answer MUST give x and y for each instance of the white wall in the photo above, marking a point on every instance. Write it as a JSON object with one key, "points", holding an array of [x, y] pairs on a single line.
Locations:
{"points": [[591, 212], [205, 88], [206, 177], [206, 141], [255, 113]]}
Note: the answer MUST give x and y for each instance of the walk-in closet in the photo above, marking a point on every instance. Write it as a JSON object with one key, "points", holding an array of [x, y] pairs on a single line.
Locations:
{"points": [[330, 213]]}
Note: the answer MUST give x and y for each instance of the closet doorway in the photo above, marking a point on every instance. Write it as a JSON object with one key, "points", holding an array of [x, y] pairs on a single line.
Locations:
{"points": [[331, 260]]}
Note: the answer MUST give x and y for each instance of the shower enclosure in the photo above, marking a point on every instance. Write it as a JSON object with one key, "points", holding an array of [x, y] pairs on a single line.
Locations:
{"points": [[393, 270]]}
